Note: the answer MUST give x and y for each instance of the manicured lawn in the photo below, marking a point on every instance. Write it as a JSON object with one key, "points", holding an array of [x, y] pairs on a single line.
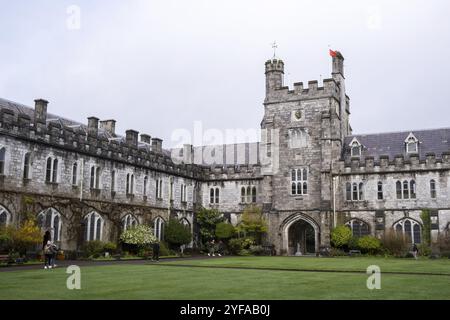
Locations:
{"points": [[158, 281]]}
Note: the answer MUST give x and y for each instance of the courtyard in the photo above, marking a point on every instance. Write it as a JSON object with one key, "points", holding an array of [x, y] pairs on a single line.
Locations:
{"points": [[232, 278]]}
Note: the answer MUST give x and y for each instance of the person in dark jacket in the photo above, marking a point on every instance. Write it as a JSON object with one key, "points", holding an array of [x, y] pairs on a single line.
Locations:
{"points": [[47, 237], [48, 255], [156, 247]]}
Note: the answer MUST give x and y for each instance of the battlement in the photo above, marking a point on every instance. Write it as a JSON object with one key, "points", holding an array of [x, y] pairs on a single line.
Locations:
{"points": [[329, 88], [274, 65], [91, 141], [233, 172], [398, 163]]}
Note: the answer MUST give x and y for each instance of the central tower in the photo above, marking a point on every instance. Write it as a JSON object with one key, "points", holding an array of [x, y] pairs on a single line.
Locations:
{"points": [[309, 124]]}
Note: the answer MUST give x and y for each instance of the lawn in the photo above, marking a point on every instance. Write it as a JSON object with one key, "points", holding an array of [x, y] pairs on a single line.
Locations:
{"points": [[168, 280]]}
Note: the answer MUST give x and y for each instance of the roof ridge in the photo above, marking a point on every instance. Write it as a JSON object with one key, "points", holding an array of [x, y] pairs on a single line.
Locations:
{"points": [[400, 131]]}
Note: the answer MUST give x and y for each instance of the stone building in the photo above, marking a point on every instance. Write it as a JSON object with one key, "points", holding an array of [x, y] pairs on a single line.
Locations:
{"points": [[308, 172]]}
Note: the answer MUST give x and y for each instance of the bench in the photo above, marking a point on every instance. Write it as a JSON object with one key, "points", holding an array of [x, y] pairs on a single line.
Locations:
{"points": [[354, 252], [5, 258]]}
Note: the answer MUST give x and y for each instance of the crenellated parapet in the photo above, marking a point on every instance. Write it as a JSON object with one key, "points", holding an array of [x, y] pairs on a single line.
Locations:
{"points": [[233, 172], [300, 91], [92, 141]]}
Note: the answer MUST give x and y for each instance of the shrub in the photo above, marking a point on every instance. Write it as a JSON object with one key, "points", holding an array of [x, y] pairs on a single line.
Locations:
{"points": [[424, 250], [341, 236], [426, 229], [110, 247], [93, 248], [244, 252], [395, 244], [369, 244], [140, 236], [256, 250], [164, 250], [224, 230], [444, 244], [334, 252], [207, 219], [20, 239], [177, 234], [235, 245]]}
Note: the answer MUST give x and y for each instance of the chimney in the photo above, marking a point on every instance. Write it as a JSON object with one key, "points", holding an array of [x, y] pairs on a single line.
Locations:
{"points": [[93, 126], [338, 64], [132, 138], [157, 145], [109, 126], [146, 138], [40, 110]]}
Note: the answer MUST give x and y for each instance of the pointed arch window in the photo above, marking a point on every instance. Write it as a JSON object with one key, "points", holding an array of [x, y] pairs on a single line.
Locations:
{"points": [[406, 189], [145, 186], [348, 191], [412, 144], [380, 190], [128, 222], [410, 229], [359, 228], [50, 220], [94, 226], [5, 217], [159, 187], [75, 173], [113, 181], [159, 228]]}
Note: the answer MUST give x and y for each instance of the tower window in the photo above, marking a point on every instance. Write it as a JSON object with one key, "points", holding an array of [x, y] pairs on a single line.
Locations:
{"points": [[380, 190], [299, 181], [433, 189]]}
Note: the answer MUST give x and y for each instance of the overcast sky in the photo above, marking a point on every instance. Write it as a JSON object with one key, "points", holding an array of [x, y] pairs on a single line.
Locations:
{"points": [[156, 66]]}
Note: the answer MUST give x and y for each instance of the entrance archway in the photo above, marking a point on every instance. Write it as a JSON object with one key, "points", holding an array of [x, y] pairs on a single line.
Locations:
{"points": [[300, 235]]}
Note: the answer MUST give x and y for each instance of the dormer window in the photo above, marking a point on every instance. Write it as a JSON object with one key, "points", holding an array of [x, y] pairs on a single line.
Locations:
{"points": [[355, 147], [412, 144]]}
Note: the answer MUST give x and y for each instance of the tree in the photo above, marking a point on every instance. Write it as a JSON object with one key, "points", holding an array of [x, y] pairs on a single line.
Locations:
{"points": [[253, 223], [207, 219], [224, 230], [140, 236], [177, 234], [20, 239], [341, 236], [426, 230]]}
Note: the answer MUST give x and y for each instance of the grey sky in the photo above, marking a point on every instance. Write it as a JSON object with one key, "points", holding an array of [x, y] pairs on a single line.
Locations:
{"points": [[156, 66]]}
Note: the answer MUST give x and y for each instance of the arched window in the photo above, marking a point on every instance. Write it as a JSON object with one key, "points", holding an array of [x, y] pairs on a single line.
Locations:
{"points": [[159, 228], [145, 186], [27, 166], [355, 192], [359, 228], [211, 195], [75, 173], [94, 227], [348, 191], [361, 191], [398, 187], [50, 220], [433, 189], [129, 221], [411, 229], [55, 171], [380, 190], [185, 222], [254, 194], [243, 197], [159, 189], [48, 172], [405, 189], [249, 195], [2, 160], [92, 182], [5, 217], [97, 178], [113, 181], [217, 198]]}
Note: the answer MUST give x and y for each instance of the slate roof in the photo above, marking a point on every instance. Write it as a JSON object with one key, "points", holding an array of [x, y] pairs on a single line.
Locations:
{"points": [[392, 144], [18, 108]]}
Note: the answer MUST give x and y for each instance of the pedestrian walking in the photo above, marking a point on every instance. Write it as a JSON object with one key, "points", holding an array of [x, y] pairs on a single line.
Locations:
{"points": [[156, 247], [48, 255], [415, 251]]}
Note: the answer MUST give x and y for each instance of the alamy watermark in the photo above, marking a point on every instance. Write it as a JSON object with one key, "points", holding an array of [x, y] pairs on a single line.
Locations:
{"points": [[73, 21], [374, 280], [74, 280]]}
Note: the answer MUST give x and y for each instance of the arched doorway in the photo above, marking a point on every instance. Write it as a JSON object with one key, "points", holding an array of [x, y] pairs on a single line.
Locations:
{"points": [[300, 235]]}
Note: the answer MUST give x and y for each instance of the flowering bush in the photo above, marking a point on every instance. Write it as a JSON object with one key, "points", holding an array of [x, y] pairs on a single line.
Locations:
{"points": [[141, 236]]}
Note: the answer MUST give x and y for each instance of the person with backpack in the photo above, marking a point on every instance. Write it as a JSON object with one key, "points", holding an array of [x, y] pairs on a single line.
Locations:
{"points": [[48, 255]]}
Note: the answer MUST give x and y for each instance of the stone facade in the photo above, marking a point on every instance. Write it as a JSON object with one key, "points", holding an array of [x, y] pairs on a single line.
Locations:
{"points": [[308, 173]]}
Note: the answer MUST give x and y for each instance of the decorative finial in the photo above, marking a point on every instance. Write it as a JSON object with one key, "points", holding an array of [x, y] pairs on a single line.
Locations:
{"points": [[274, 46]]}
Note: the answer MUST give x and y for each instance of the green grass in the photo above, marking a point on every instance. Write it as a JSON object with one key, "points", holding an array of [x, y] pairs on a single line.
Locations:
{"points": [[159, 281]]}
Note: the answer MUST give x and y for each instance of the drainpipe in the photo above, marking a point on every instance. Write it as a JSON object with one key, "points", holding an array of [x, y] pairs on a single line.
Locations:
{"points": [[335, 179]]}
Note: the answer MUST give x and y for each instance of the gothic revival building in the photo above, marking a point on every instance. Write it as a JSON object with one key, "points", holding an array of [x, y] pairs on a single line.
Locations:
{"points": [[308, 173]]}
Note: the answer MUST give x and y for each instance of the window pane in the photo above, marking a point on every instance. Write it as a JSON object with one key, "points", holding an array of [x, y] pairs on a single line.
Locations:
{"points": [[348, 188], [99, 228], [405, 190], [417, 234], [399, 189], [413, 189], [305, 175], [294, 188]]}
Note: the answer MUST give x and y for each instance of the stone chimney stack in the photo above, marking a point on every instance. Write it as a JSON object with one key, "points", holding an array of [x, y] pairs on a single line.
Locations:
{"points": [[132, 137], [109, 126], [146, 138], [93, 126], [157, 145], [40, 110]]}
